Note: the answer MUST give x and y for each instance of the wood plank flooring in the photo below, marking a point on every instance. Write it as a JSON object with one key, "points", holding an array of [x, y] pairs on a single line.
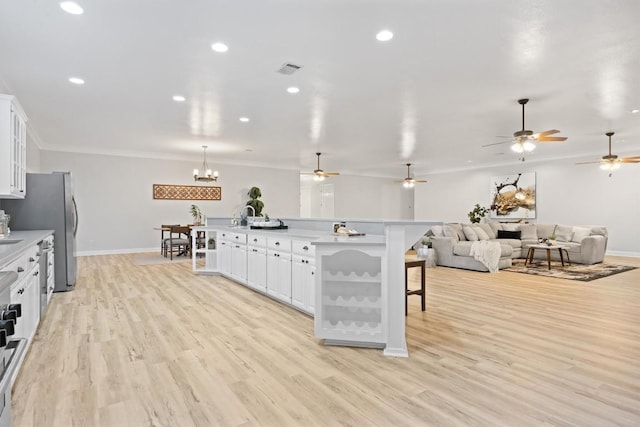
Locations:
{"points": [[157, 345]]}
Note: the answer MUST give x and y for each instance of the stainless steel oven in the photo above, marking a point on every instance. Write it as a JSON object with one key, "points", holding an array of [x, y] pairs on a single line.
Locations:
{"points": [[10, 349]]}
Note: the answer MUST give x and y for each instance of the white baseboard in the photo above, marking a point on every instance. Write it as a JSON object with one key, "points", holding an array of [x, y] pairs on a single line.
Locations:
{"points": [[118, 251], [624, 253]]}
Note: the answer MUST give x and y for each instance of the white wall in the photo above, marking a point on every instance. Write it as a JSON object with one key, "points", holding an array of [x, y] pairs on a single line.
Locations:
{"points": [[566, 194], [359, 197], [116, 209]]}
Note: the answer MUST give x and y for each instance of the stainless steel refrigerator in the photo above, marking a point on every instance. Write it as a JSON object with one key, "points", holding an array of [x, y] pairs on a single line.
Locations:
{"points": [[49, 205]]}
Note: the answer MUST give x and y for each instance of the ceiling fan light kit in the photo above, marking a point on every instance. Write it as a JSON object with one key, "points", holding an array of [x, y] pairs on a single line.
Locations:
{"points": [[319, 174], [409, 181], [611, 162]]}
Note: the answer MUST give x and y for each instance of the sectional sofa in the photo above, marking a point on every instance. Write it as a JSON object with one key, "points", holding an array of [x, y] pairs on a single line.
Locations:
{"points": [[453, 242]]}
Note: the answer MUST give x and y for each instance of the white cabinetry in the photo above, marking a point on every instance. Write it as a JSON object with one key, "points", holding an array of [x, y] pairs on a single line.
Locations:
{"points": [[239, 257], [303, 271], [350, 295], [224, 253], [279, 268], [13, 148], [257, 262], [205, 258]]}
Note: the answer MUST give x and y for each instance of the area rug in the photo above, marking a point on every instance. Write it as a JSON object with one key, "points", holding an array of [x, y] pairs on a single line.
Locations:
{"points": [[153, 259], [584, 273]]}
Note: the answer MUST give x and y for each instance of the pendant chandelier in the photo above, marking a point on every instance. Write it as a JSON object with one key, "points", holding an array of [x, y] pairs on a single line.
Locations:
{"points": [[208, 176]]}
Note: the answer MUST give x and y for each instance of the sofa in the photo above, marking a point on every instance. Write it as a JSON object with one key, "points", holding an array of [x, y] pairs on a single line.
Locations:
{"points": [[453, 242]]}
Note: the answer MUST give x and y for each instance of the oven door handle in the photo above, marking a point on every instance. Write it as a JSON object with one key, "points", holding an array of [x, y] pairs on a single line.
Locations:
{"points": [[19, 346]]}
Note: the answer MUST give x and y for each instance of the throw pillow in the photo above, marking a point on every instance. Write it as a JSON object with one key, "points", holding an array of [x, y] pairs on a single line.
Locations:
{"points": [[487, 229], [564, 233], [437, 230], [508, 226], [495, 226], [545, 230], [505, 234], [480, 231], [580, 233], [528, 232], [470, 234], [450, 232], [458, 228]]}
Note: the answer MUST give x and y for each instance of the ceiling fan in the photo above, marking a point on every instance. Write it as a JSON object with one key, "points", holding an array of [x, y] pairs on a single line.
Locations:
{"points": [[611, 162], [410, 182], [319, 174], [523, 139]]}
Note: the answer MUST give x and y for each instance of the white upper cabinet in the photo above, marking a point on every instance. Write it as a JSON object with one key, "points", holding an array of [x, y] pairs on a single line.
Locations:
{"points": [[13, 149]]}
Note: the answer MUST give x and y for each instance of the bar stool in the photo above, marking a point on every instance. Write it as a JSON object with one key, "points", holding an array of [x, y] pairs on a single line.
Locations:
{"points": [[407, 265]]}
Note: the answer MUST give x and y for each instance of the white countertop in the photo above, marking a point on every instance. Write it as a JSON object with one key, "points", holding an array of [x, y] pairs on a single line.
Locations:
{"points": [[26, 239], [316, 237]]}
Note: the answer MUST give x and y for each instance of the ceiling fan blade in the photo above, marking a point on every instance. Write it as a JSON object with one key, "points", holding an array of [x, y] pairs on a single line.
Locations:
{"points": [[551, 138], [589, 163], [330, 173], [632, 157], [629, 160], [547, 132], [420, 180], [495, 143]]}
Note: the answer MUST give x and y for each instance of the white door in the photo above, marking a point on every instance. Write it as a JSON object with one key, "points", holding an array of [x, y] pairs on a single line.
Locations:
{"points": [[327, 201]]}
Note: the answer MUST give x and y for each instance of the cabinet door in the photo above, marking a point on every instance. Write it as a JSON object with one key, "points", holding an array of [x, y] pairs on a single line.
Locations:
{"points": [[224, 260], [284, 278], [239, 262], [257, 268], [272, 274], [310, 289], [32, 299], [298, 279]]}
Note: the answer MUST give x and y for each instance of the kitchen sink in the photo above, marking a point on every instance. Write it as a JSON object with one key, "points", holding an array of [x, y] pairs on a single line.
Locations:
{"points": [[9, 241]]}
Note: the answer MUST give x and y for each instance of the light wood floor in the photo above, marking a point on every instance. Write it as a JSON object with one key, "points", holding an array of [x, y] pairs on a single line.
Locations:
{"points": [[158, 346]]}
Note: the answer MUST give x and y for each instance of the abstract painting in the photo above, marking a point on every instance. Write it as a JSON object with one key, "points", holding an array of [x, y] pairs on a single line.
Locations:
{"points": [[513, 196]]}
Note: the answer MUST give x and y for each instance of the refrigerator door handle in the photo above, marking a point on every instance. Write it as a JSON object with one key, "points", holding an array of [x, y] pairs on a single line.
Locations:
{"points": [[75, 216]]}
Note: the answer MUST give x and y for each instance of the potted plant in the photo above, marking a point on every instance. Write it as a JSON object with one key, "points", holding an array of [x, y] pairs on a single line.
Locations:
{"points": [[423, 250], [477, 213], [196, 214], [254, 196]]}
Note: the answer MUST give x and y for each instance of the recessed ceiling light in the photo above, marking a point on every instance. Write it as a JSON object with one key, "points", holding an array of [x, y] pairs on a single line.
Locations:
{"points": [[179, 98], [219, 47], [635, 110], [244, 119], [71, 7], [76, 80], [384, 35], [293, 89]]}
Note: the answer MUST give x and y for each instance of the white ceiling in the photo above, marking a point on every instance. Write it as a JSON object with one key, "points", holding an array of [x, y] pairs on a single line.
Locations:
{"points": [[446, 84]]}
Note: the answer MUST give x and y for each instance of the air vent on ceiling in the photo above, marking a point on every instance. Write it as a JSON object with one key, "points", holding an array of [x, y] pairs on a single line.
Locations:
{"points": [[289, 68]]}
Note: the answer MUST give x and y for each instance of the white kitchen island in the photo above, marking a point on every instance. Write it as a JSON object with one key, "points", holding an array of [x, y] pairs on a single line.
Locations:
{"points": [[353, 286]]}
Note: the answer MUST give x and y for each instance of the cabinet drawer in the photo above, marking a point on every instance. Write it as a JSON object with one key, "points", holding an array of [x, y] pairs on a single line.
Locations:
{"points": [[256, 240], [19, 265], [279, 244], [281, 255], [303, 259], [303, 247], [239, 238]]}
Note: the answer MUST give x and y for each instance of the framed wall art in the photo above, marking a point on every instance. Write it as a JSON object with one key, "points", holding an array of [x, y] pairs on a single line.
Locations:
{"points": [[513, 196], [186, 192]]}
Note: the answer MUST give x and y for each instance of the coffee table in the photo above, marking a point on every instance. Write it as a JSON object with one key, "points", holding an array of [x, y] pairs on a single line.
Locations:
{"points": [[560, 248]]}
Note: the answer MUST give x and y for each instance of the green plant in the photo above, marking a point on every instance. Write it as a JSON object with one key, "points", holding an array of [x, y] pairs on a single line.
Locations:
{"points": [[477, 213], [254, 195], [196, 214], [426, 241]]}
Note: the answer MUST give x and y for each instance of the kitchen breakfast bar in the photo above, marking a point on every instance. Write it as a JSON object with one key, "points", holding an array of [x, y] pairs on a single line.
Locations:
{"points": [[352, 285]]}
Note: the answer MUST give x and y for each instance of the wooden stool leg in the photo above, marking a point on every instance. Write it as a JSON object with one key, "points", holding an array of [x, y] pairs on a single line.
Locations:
{"points": [[406, 289], [423, 284]]}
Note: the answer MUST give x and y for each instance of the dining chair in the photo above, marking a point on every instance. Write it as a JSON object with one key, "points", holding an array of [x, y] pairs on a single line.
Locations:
{"points": [[178, 241], [165, 228]]}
